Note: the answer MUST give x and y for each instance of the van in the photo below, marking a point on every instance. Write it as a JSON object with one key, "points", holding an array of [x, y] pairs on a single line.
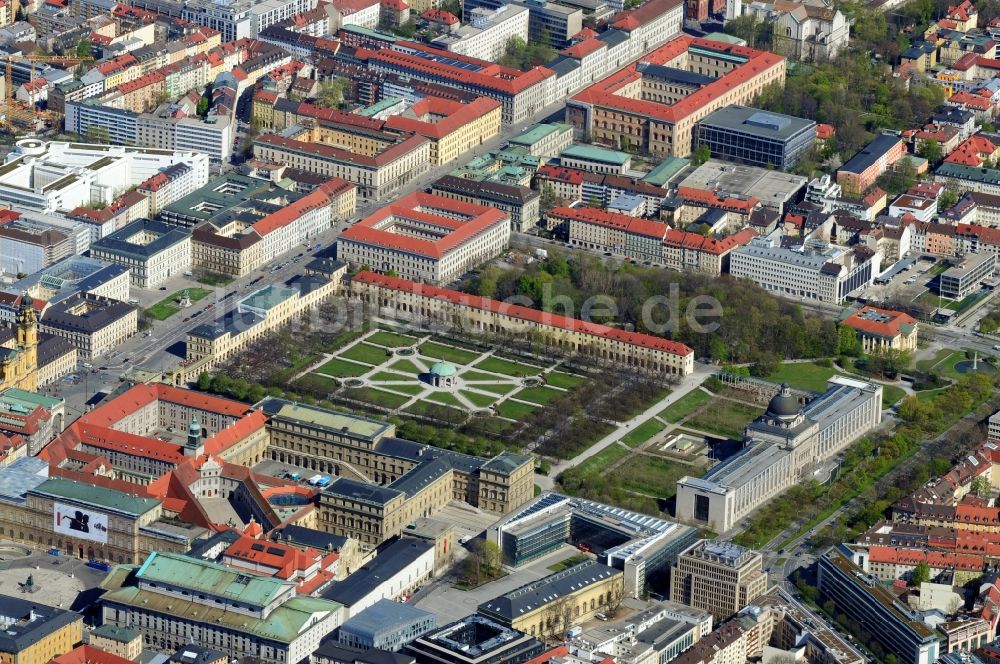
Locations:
{"points": [[189, 273]]}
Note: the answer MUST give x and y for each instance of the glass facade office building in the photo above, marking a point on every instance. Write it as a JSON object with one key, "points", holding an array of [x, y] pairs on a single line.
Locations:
{"points": [[749, 136]]}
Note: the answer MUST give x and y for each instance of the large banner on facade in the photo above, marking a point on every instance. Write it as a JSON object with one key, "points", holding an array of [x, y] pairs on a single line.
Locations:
{"points": [[80, 523]]}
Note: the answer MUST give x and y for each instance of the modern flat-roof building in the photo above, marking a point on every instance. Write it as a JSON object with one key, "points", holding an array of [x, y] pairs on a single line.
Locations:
{"points": [[385, 625], [861, 170], [153, 251], [882, 328], [521, 204], [660, 632], [862, 598], [487, 32], [719, 577], [52, 176], [68, 278], [176, 599], [579, 592], [396, 570], [653, 105], [474, 640], [409, 299], [965, 278], [27, 245], [784, 444], [772, 189], [823, 272], [34, 633], [641, 546], [332, 652], [426, 237], [761, 138]]}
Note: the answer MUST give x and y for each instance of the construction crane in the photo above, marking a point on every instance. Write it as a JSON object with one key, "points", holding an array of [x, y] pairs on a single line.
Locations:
{"points": [[30, 116]]}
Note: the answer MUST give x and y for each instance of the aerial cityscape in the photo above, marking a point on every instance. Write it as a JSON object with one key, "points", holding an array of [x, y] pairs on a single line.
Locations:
{"points": [[500, 332]]}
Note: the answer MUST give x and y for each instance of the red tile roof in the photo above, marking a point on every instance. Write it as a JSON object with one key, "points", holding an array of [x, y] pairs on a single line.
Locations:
{"points": [[633, 18], [583, 48], [525, 313], [86, 654], [935, 559], [319, 197], [442, 16], [888, 328], [623, 222], [971, 151], [604, 93], [824, 131], [476, 219], [708, 245], [560, 173], [711, 199], [453, 116]]}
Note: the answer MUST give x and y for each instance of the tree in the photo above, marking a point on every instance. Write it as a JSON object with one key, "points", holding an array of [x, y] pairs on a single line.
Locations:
{"points": [[83, 48], [97, 134], [453, 6], [202, 107], [701, 154], [921, 574], [750, 29], [981, 486], [548, 199], [847, 341], [331, 93], [931, 151]]}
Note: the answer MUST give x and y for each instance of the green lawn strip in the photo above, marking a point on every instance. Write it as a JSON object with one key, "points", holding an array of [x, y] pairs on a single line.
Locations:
{"points": [[446, 398], [539, 395], [167, 307], [392, 376], [515, 410], [405, 366], [406, 388], [338, 367], [215, 280], [502, 366], [653, 476], [803, 375], [429, 408], [447, 353], [564, 380], [930, 395], [472, 376], [724, 418], [569, 562], [377, 397], [496, 388], [478, 400], [643, 432], [316, 382], [891, 394], [162, 311], [684, 406], [366, 353], [604, 459], [390, 339]]}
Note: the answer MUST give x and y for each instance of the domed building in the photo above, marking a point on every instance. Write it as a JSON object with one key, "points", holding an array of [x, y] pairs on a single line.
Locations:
{"points": [[794, 437], [442, 374]]}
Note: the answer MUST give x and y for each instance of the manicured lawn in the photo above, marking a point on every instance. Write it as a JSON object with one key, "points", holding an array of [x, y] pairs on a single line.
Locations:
{"points": [[515, 410], [473, 376], [338, 367], [605, 458], [569, 562], [390, 339], [684, 406], [946, 367], [167, 307], [643, 432], [479, 400], [406, 388], [539, 395], [447, 353], [652, 476], [446, 398], [563, 380], [725, 418], [389, 375], [502, 366], [215, 280], [926, 365], [803, 375], [406, 366], [366, 353], [930, 395], [313, 381], [891, 394], [377, 397], [435, 409], [496, 388]]}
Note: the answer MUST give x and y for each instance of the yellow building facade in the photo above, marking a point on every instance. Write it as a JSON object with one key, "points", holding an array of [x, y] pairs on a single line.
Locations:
{"points": [[19, 364]]}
